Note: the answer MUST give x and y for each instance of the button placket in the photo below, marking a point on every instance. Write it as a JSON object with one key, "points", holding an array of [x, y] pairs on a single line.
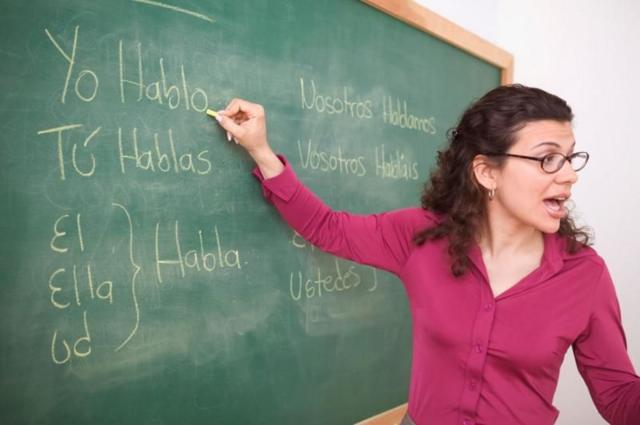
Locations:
{"points": [[477, 357]]}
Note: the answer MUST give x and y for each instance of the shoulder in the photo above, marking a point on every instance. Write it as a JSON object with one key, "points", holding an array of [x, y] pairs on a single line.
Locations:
{"points": [[587, 258], [587, 273], [405, 221]]}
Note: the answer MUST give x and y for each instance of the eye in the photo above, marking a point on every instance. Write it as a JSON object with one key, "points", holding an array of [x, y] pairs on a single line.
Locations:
{"points": [[552, 162]]}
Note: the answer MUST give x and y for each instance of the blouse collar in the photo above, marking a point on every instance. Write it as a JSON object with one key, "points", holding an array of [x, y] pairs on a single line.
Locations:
{"points": [[552, 262]]}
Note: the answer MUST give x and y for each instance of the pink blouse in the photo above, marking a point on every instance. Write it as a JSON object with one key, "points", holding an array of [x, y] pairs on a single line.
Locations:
{"points": [[479, 359]]}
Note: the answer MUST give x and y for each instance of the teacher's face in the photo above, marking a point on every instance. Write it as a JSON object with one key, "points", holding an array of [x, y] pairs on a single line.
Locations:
{"points": [[528, 194]]}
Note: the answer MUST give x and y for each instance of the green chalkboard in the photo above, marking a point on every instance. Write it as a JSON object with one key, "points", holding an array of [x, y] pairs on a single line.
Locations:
{"points": [[144, 280]]}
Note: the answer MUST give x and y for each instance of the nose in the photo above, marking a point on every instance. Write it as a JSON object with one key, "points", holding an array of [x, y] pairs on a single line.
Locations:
{"points": [[567, 174]]}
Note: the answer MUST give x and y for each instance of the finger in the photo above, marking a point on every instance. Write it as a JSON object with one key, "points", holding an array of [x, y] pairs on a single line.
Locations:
{"points": [[230, 126], [240, 117], [238, 106], [232, 107]]}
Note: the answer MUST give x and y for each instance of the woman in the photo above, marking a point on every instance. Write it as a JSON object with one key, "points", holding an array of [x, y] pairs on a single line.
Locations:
{"points": [[500, 280]]}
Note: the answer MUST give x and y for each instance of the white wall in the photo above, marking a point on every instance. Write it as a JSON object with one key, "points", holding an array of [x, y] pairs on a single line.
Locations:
{"points": [[587, 52]]}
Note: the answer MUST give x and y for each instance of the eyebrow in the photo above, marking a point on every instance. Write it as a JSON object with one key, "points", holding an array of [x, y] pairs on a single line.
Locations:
{"points": [[552, 144]]}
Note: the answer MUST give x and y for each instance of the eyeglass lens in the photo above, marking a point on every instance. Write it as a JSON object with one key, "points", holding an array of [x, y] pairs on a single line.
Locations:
{"points": [[554, 162]]}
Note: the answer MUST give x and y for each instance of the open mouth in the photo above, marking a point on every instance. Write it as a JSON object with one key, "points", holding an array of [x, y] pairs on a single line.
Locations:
{"points": [[555, 207]]}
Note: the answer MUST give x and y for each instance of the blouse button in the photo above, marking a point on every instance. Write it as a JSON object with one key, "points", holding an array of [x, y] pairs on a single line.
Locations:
{"points": [[478, 348], [472, 385], [466, 422], [488, 307]]}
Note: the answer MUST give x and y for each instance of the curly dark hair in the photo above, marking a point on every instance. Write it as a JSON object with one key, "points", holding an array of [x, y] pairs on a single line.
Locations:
{"points": [[452, 191]]}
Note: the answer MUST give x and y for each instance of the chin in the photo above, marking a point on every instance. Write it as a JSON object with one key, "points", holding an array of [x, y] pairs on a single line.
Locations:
{"points": [[549, 226]]}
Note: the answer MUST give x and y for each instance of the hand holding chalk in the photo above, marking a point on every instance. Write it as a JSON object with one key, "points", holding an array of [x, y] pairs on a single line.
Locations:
{"points": [[214, 114], [246, 123]]}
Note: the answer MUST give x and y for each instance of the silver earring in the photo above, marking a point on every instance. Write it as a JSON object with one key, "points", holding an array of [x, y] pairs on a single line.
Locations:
{"points": [[492, 193]]}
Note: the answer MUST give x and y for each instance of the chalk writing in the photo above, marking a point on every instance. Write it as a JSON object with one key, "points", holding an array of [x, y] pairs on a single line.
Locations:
{"points": [[299, 242], [301, 286], [198, 259], [337, 280], [82, 75], [77, 286], [103, 291], [395, 165], [316, 159], [157, 153], [134, 278], [163, 157], [82, 171], [395, 111], [86, 338], [82, 283], [59, 233], [399, 116], [176, 8], [332, 104], [159, 90]]}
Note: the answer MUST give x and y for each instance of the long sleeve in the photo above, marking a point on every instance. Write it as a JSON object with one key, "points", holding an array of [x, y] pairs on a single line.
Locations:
{"points": [[601, 356], [381, 240]]}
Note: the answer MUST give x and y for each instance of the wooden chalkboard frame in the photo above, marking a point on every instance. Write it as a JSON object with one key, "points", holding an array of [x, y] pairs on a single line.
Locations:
{"points": [[419, 17]]}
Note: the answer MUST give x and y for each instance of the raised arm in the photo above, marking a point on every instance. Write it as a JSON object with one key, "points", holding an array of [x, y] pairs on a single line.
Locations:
{"points": [[601, 355], [382, 240]]}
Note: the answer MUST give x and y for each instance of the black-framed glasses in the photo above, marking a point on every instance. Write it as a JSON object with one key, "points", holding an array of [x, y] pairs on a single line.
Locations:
{"points": [[553, 162]]}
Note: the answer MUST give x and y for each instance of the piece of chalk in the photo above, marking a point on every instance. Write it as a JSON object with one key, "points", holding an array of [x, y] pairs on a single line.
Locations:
{"points": [[211, 113]]}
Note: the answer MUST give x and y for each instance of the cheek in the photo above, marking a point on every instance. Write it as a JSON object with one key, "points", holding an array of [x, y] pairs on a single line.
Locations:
{"points": [[523, 192], [519, 201]]}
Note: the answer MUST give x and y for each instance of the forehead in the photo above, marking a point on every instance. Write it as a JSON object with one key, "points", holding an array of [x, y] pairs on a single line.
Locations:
{"points": [[533, 134]]}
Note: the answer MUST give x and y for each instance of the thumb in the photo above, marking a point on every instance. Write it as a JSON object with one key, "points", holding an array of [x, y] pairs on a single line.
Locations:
{"points": [[229, 125]]}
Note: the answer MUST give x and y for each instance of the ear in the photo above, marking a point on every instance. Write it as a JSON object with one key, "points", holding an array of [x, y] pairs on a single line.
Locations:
{"points": [[485, 173]]}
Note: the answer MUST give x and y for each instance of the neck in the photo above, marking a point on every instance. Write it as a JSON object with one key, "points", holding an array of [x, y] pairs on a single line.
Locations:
{"points": [[502, 235]]}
